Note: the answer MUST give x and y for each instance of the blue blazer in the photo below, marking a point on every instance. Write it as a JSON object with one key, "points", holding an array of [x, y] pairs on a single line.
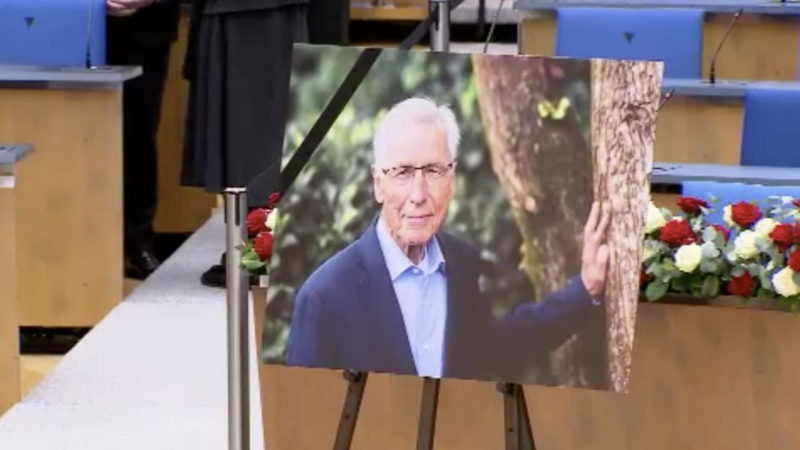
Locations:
{"points": [[346, 316]]}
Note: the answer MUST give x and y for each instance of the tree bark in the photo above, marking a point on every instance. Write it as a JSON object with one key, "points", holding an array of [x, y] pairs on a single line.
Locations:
{"points": [[625, 98], [551, 169], [544, 166]]}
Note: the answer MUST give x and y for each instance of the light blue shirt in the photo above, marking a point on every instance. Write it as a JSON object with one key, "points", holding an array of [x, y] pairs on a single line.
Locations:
{"points": [[421, 292]]}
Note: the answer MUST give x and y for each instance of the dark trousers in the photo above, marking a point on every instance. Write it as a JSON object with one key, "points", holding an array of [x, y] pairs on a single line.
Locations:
{"points": [[141, 115]]}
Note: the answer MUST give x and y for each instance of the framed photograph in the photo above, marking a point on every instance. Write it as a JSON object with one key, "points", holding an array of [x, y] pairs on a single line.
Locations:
{"points": [[467, 216]]}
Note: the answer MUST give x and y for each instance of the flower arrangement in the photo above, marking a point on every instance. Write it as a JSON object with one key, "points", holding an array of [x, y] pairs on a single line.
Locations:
{"points": [[754, 254], [256, 251]]}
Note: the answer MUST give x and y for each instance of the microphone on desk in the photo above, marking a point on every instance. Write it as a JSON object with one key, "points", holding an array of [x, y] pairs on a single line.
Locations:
{"points": [[712, 70], [88, 61]]}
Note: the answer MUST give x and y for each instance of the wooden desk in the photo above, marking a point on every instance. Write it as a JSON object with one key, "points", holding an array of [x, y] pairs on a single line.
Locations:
{"points": [[763, 45], [9, 331], [68, 195]]}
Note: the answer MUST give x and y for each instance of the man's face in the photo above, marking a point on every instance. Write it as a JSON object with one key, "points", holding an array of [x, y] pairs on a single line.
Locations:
{"points": [[414, 201]]}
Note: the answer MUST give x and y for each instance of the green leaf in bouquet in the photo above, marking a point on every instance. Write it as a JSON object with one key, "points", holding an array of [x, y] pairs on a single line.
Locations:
{"points": [[678, 284], [713, 199], [796, 278], [763, 277], [738, 271], [655, 290], [763, 245], [709, 266], [710, 286], [250, 264], [754, 269], [709, 250], [708, 234], [765, 293]]}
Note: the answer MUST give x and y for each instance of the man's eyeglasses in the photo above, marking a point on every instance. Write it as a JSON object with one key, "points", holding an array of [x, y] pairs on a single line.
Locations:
{"points": [[431, 172]]}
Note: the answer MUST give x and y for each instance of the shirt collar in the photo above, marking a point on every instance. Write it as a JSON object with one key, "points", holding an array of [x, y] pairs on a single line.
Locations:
{"points": [[398, 263]]}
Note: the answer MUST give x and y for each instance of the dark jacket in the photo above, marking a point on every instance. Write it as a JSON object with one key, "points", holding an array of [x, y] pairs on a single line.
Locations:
{"points": [[346, 316], [153, 25]]}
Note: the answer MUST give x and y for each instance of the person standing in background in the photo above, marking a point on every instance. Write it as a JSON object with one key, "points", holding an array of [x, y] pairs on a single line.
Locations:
{"points": [[139, 33], [238, 63]]}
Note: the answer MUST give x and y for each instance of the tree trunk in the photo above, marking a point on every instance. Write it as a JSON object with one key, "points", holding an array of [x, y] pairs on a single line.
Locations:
{"points": [[625, 97], [552, 167], [545, 168]]}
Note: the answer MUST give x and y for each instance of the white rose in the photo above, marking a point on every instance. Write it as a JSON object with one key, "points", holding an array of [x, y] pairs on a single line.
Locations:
{"points": [[688, 257], [727, 216], [784, 283], [764, 227], [655, 219], [745, 245]]}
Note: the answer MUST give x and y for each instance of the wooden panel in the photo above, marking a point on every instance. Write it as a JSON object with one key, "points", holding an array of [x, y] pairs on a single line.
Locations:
{"points": [[537, 36], [403, 12], [9, 334], [702, 378], [69, 203], [758, 47], [699, 130], [180, 209]]}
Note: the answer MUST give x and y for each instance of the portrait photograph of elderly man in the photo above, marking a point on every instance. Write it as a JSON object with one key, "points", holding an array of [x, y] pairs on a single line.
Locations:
{"points": [[446, 227]]}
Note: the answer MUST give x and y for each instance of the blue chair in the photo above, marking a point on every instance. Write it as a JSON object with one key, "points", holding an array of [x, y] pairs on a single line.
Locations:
{"points": [[673, 36], [728, 193], [771, 128], [52, 32]]}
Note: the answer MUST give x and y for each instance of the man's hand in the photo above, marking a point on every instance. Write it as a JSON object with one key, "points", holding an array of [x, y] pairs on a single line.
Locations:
{"points": [[594, 261], [124, 8]]}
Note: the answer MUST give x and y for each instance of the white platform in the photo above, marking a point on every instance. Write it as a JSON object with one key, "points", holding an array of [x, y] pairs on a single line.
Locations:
{"points": [[151, 375]]}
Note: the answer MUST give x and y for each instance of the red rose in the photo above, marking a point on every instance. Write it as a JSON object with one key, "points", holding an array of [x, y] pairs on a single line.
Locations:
{"points": [[745, 214], [262, 245], [676, 232], [273, 199], [742, 285], [794, 260], [691, 205], [256, 221], [797, 232], [721, 230], [782, 235], [643, 277], [796, 202]]}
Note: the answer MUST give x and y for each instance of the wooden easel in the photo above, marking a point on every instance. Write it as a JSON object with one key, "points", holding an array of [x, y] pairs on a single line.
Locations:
{"points": [[517, 429]]}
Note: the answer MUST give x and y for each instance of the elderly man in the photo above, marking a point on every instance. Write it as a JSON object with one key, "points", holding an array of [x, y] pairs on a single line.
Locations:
{"points": [[404, 297]]}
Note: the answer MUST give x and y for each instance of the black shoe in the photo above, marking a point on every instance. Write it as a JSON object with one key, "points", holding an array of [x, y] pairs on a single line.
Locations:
{"points": [[214, 276], [140, 263]]}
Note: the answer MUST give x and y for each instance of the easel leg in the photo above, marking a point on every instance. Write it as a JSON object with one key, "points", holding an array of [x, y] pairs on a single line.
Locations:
{"points": [[518, 434], [352, 404], [427, 414]]}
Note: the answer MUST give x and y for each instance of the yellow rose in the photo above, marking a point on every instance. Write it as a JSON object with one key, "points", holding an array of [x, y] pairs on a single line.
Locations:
{"points": [[727, 216], [655, 219], [784, 283], [745, 245], [764, 227], [688, 257]]}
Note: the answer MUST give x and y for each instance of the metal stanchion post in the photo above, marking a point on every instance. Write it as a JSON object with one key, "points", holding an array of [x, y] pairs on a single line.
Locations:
{"points": [[238, 354], [440, 28]]}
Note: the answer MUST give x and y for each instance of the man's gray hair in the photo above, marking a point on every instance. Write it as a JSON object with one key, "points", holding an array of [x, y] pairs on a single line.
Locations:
{"points": [[413, 111]]}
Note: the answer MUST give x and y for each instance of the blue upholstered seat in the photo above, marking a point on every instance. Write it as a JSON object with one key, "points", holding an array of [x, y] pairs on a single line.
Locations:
{"points": [[771, 128], [670, 35], [52, 32], [728, 193]]}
